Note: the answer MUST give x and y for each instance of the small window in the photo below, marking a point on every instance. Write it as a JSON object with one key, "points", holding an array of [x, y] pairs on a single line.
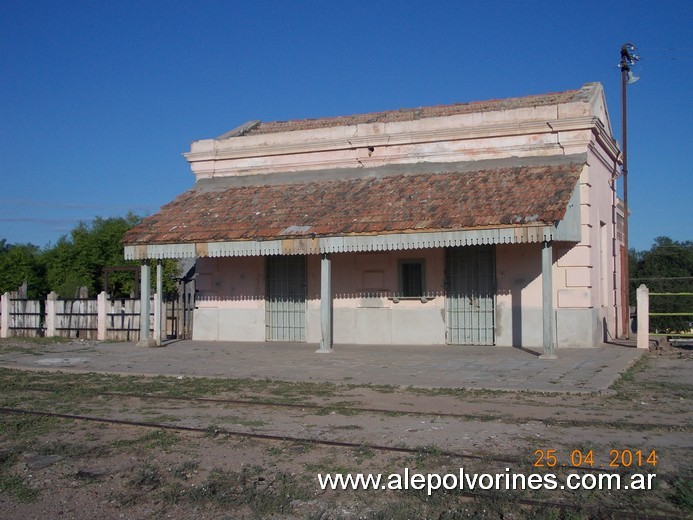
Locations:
{"points": [[411, 278]]}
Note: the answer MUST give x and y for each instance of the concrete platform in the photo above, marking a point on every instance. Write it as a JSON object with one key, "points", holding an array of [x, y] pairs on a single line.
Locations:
{"points": [[491, 368]]}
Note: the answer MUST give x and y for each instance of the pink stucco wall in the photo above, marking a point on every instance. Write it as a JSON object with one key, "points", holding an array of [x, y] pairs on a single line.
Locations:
{"points": [[231, 302]]}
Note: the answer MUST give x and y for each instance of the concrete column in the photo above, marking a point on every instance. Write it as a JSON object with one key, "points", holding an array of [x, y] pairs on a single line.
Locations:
{"points": [[643, 316], [50, 314], [325, 304], [102, 316], [145, 339], [5, 316], [547, 300], [158, 299]]}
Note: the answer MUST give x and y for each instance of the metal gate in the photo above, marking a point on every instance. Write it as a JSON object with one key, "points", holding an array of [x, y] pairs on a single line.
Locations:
{"points": [[470, 281], [285, 298]]}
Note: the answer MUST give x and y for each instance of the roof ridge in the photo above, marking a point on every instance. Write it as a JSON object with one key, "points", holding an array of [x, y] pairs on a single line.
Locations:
{"points": [[415, 113]]}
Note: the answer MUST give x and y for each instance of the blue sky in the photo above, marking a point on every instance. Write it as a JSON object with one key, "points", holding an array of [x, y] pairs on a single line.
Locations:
{"points": [[98, 100]]}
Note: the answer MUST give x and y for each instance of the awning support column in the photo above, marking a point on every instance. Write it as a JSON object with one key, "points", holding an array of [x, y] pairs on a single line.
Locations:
{"points": [[145, 339], [547, 299], [325, 304], [158, 302]]}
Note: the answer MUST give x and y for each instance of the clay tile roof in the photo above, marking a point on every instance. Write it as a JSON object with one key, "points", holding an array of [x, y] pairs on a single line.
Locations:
{"points": [[411, 114], [437, 198]]}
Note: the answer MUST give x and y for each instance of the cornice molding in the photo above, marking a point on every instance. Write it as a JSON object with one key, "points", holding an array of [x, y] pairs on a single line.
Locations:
{"points": [[215, 170], [230, 149]]}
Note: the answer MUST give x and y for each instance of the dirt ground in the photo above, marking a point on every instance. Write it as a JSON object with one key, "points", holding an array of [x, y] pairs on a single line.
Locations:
{"points": [[65, 468]]}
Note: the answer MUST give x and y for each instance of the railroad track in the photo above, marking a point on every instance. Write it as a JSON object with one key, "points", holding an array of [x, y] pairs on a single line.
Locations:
{"points": [[572, 423], [290, 438], [600, 511]]}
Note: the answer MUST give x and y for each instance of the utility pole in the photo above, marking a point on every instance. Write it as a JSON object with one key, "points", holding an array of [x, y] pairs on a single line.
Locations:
{"points": [[628, 59]]}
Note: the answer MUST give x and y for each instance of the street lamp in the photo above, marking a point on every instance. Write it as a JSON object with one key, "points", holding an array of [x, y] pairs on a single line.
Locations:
{"points": [[628, 59]]}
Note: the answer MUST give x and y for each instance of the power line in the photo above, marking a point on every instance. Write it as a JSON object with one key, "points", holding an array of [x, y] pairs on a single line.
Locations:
{"points": [[663, 278], [666, 49]]}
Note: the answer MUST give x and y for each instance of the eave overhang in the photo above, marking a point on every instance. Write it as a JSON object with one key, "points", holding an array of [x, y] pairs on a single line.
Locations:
{"points": [[567, 230], [387, 209]]}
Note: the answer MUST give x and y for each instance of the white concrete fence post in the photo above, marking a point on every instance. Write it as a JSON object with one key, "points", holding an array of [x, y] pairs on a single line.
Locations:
{"points": [[101, 300], [51, 300], [643, 316], [5, 317]]}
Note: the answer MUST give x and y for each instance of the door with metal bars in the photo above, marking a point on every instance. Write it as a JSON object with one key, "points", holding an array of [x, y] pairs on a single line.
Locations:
{"points": [[285, 298], [470, 282]]}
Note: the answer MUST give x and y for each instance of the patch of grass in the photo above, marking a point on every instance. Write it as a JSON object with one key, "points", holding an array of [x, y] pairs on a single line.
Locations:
{"points": [[161, 419], [347, 427], [364, 452], [397, 509], [15, 486], [12, 349], [173, 493], [213, 431], [383, 389], [459, 393], [265, 495], [66, 449], [184, 471], [160, 439], [631, 385], [124, 499], [425, 455], [67, 387], [629, 375], [682, 495], [25, 428], [298, 392], [147, 476], [250, 423], [327, 465], [22, 342], [340, 408], [428, 451], [124, 443], [11, 483]]}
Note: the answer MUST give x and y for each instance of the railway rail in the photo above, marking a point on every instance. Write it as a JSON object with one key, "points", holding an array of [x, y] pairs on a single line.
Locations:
{"points": [[452, 415], [601, 511]]}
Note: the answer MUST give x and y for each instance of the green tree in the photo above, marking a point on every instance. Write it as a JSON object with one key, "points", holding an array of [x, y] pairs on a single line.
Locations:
{"points": [[80, 259], [21, 263], [666, 268]]}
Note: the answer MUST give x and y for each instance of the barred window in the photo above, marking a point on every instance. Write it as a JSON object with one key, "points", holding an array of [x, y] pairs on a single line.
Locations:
{"points": [[411, 278]]}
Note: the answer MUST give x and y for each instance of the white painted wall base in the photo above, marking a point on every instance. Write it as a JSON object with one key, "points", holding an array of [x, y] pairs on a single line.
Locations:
{"points": [[578, 328], [229, 325]]}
